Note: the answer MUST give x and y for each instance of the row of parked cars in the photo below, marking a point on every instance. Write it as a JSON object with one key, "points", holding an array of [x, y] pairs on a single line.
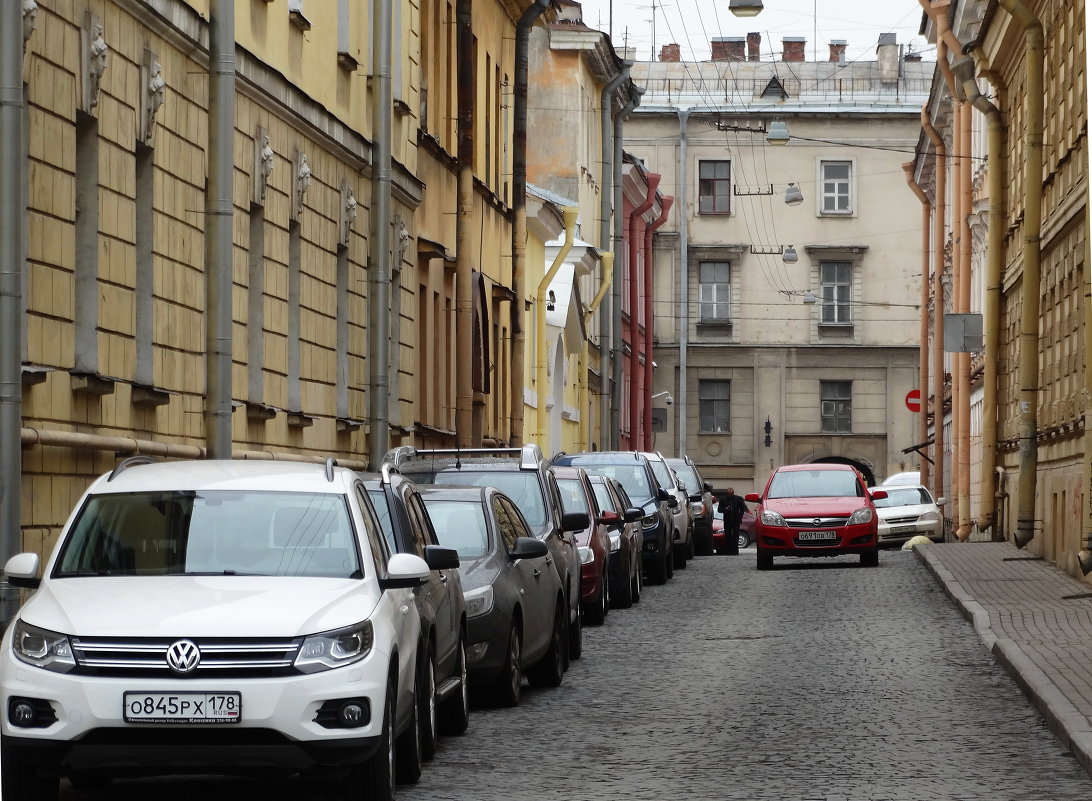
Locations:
{"points": [[245, 616]]}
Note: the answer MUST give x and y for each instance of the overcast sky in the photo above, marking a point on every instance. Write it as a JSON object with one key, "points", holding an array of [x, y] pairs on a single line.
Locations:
{"points": [[692, 23]]}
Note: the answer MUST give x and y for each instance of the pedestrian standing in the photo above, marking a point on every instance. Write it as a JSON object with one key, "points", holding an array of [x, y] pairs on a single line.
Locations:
{"points": [[732, 508]]}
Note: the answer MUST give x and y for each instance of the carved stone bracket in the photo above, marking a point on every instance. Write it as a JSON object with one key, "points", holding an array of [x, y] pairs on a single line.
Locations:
{"points": [[151, 98], [348, 214], [263, 165], [302, 184], [94, 54], [30, 20]]}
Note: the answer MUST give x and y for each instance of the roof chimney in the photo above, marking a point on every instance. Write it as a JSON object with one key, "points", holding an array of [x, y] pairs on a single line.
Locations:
{"points": [[792, 48], [670, 52], [728, 48], [838, 50], [754, 47], [887, 54]]}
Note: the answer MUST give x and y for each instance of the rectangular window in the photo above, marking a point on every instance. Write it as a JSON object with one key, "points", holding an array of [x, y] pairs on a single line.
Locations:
{"points": [[835, 180], [714, 187], [836, 407], [86, 341], [714, 407], [715, 290], [294, 269], [835, 278], [145, 278], [342, 324], [255, 306]]}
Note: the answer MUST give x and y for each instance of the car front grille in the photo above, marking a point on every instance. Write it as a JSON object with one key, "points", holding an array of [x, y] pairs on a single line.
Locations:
{"points": [[813, 523], [146, 657], [900, 521]]}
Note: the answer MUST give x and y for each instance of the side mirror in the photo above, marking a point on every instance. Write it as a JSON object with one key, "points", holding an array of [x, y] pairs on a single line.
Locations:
{"points": [[405, 571], [673, 502], [663, 495], [528, 548], [878, 495], [609, 517], [575, 521], [440, 558], [22, 571], [940, 502], [752, 497], [632, 514]]}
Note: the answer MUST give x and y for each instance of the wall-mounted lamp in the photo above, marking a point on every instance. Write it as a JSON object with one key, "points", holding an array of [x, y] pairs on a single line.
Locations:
{"points": [[778, 133], [745, 8], [793, 195], [789, 256], [810, 298], [768, 428]]}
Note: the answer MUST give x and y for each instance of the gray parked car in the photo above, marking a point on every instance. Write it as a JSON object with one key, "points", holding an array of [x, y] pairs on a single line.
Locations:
{"points": [[515, 602], [702, 503]]}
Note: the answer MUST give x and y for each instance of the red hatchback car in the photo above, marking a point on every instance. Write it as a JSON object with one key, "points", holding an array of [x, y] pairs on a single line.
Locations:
{"points": [[816, 510], [593, 542]]}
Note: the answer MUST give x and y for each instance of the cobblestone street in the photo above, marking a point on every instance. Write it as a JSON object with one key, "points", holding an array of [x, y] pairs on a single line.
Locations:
{"points": [[817, 680]]}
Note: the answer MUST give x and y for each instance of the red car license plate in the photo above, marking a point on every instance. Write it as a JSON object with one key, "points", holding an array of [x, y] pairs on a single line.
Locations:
{"points": [[817, 535]]}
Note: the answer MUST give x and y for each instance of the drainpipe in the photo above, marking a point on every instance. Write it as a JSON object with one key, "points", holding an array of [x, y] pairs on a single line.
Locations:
{"points": [[569, 213], [519, 218], [12, 160], [606, 199], [682, 171], [1084, 558], [665, 208], [218, 224], [939, 212], [379, 253], [585, 405], [464, 278], [636, 243], [612, 423], [995, 234], [923, 325], [1028, 371]]}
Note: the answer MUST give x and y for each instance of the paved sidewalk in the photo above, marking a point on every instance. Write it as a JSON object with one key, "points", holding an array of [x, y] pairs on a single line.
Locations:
{"points": [[1035, 619]]}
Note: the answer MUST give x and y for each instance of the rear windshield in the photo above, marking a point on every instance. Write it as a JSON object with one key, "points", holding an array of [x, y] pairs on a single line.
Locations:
{"points": [[460, 525], [522, 486], [814, 484], [573, 498], [212, 533]]}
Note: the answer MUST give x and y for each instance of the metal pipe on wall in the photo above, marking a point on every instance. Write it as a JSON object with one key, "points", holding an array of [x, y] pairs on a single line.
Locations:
{"points": [[684, 285], [923, 325], [219, 208], [650, 322], [607, 260], [939, 211], [636, 245], [464, 267]]}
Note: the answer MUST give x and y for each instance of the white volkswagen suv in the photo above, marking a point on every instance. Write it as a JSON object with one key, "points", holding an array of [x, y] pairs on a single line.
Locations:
{"points": [[214, 617]]}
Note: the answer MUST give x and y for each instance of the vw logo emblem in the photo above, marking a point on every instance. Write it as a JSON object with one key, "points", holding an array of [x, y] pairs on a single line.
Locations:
{"points": [[183, 656]]}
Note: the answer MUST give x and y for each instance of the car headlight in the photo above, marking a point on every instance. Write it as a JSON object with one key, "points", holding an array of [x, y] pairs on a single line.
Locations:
{"points": [[43, 648], [772, 518], [929, 517], [615, 542], [479, 601], [586, 555], [697, 508], [650, 521], [333, 649], [862, 515]]}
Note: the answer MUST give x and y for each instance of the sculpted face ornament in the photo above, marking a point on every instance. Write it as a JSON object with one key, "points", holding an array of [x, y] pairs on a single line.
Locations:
{"points": [[183, 656]]}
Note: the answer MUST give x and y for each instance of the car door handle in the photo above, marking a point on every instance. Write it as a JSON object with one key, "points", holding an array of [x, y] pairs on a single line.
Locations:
{"points": [[537, 572], [549, 560], [443, 578], [404, 609]]}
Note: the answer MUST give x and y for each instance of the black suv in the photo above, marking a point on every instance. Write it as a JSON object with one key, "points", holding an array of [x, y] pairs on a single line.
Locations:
{"points": [[633, 471], [702, 502], [524, 476], [444, 703]]}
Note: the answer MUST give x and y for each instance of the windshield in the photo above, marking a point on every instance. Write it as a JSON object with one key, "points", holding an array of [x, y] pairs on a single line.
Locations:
{"points": [[687, 474], [573, 498], [631, 475], [908, 496], [814, 484], [663, 474], [520, 485], [460, 525], [212, 533]]}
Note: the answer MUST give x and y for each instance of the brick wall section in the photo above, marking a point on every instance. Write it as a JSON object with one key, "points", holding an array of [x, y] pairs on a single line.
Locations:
{"points": [[670, 52], [792, 49], [754, 46]]}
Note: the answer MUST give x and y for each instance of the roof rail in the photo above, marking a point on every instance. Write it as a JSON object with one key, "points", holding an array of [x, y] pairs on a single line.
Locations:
{"points": [[331, 463], [125, 464], [386, 470]]}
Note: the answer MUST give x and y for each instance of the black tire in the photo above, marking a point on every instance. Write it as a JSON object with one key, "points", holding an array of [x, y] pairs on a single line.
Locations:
{"points": [[623, 597], [678, 555], [657, 571], [374, 778], [550, 670], [638, 585], [595, 613], [669, 562], [23, 780], [765, 561], [690, 545], [703, 542], [509, 683], [454, 713], [89, 780], [426, 704], [407, 749], [871, 559], [574, 648]]}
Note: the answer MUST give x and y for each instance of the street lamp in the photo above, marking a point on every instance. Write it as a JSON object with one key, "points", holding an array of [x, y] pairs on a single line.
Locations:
{"points": [[789, 255], [793, 195], [777, 133], [745, 8]]}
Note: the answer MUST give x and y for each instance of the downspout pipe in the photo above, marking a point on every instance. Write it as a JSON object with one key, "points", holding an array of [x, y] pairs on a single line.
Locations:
{"points": [[1084, 557], [519, 218], [1028, 369], [464, 218], [612, 424], [637, 398], [569, 214], [939, 212], [683, 313], [585, 404], [923, 323], [650, 322], [218, 228], [606, 200], [12, 159], [379, 254], [995, 234]]}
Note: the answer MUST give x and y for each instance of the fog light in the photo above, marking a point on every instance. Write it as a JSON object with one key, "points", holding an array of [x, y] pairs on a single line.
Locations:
{"points": [[21, 714], [351, 714]]}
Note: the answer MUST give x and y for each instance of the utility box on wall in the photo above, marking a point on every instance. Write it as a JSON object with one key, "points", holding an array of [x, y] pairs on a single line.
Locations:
{"points": [[962, 333]]}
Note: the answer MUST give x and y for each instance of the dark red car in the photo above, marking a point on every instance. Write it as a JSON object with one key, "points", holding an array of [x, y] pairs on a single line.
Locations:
{"points": [[746, 532], [816, 510], [593, 542]]}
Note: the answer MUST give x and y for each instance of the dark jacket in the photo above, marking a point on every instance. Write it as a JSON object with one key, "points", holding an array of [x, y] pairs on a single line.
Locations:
{"points": [[732, 507]]}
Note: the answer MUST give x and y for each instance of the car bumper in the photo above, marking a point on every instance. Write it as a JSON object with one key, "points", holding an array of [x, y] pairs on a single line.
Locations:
{"points": [[783, 541], [591, 581], [487, 645], [655, 544], [898, 533]]}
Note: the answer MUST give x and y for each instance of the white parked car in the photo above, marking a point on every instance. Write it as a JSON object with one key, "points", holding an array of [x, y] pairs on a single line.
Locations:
{"points": [[907, 511], [214, 617]]}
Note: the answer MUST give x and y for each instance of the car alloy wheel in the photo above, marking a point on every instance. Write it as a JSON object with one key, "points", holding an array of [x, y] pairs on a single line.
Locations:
{"points": [[455, 711]]}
